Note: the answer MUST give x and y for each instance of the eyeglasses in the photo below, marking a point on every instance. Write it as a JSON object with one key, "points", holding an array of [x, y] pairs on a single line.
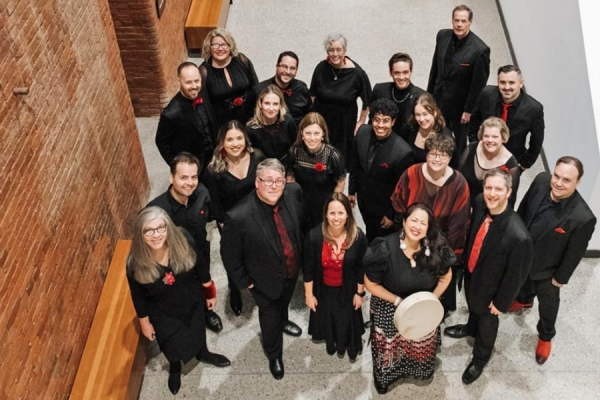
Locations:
{"points": [[269, 183], [441, 156], [339, 50], [151, 231], [287, 67], [216, 46], [382, 120]]}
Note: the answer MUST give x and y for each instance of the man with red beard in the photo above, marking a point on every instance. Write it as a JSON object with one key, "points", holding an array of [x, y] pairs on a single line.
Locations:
{"points": [[496, 261]]}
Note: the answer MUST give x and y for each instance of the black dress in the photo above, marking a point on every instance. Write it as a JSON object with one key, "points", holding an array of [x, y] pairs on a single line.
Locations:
{"points": [[226, 190], [336, 321], [176, 310], [336, 92], [473, 172], [395, 356], [420, 155], [229, 102], [274, 140], [317, 174]]}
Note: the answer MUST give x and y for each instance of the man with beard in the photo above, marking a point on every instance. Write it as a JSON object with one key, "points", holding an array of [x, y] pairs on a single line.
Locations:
{"points": [[496, 260], [522, 113]]}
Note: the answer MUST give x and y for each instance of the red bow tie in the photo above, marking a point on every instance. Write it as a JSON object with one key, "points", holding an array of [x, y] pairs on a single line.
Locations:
{"points": [[287, 92], [197, 101]]}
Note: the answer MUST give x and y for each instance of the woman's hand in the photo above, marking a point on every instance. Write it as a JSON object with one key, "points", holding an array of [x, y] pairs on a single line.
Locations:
{"points": [[211, 304], [311, 302], [357, 301], [147, 328]]}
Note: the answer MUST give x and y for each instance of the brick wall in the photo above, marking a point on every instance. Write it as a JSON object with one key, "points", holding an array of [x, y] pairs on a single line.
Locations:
{"points": [[72, 176], [151, 49]]}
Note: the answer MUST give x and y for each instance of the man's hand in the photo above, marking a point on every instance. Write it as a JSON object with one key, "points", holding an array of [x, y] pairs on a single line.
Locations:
{"points": [[555, 283], [465, 117], [352, 199], [386, 223], [493, 309]]}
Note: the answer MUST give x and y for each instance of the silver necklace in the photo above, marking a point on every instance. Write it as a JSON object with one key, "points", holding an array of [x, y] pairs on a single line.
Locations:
{"points": [[399, 101], [335, 76]]}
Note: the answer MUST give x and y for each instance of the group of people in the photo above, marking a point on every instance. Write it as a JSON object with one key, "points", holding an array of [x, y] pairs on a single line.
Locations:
{"points": [[434, 174]]}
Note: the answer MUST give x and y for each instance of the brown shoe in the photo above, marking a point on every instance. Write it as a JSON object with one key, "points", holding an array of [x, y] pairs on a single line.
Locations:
{"points": [[517, 305], [543, 351]]}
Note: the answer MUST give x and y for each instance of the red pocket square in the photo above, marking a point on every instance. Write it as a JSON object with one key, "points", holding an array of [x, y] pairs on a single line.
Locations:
{"points": [[560, 230], [384, 165], [464, 64]]}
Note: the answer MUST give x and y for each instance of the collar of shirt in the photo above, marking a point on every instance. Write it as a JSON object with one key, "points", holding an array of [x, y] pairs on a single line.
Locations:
{"points": [[175, 204], [564, 203]]}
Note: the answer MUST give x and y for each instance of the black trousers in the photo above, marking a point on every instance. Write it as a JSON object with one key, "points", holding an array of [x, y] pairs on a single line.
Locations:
{"points": [[484, 326], [272, 317], [460, 135], [549, 301], [373, 226]]}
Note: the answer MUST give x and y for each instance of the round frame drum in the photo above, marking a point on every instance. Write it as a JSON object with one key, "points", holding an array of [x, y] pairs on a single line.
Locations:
{"points": [[418, 315]]}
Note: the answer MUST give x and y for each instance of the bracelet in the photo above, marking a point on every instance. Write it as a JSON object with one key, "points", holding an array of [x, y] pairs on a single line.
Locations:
{"points": [[210, 292], [397, 301], [362, 294]]}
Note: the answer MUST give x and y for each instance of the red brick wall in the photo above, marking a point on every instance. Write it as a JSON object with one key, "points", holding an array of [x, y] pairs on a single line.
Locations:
{"points": [[151, 49], [72, 176]]}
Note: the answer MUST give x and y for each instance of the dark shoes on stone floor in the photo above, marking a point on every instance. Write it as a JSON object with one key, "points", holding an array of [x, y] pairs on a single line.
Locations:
{"points": [[471, 373], [213, 321], [217, 360], [276, 367], [381, 388], [174, 382], [457, 331], [235, 301], [292, 329]]}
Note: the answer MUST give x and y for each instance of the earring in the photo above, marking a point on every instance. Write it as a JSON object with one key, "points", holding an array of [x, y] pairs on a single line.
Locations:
{"points": [[402, 244], [426, 244], [223, 154]]}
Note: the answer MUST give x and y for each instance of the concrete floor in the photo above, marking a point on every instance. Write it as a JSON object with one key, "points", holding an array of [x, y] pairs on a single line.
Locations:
{"points": [[264, 28]]}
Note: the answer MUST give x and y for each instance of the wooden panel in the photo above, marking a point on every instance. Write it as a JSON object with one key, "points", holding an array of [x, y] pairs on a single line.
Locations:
{"points": [[204, 16], [106, 370]]}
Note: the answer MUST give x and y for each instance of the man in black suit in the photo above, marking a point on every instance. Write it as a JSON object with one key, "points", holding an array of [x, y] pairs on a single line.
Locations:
{"points": [[186, 123], [187, 203], [459, 71], [522, 113], [561, 225], [261, 246], [401, 91], [295, 92], [497, 257], [379, 159]]}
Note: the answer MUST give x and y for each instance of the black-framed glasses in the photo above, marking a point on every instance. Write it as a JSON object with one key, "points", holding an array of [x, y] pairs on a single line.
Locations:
{"points": [[269, 182], [441, 156], [287, 67], [216, 46], [151, 231]]}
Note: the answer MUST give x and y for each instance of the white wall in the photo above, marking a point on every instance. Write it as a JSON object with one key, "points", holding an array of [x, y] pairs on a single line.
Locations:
{"points": [[550, 39]]}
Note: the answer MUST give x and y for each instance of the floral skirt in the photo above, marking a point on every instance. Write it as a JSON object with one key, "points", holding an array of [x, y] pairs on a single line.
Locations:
{"points": [[394, 356]]}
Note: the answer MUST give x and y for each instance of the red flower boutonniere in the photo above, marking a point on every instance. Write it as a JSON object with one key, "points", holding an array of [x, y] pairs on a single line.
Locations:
{"points": [[384, 165], [169, 279], [560, 230], [197, 101], [505, 168], [287, 92], [319, 167], [238, 101]]}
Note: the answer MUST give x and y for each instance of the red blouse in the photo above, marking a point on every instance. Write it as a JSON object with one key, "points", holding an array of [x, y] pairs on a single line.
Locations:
{"points": [[332, 264]]}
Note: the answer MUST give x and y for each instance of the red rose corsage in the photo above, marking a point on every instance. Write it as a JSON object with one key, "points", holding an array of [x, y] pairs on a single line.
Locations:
{"points": [[238, 101], [505, 168], [319, 167], [287, 92], [197, 101], [169, 279]]}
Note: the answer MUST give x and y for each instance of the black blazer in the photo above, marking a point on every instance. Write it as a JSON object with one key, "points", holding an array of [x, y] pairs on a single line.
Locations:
{"points": [[529, 118], [561, 246], [179, 130], [384, 91], [375, 186], [249, 249], [456, 90], [503, 262]]}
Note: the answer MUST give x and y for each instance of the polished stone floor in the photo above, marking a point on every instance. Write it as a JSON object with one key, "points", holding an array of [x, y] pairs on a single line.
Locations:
{"points": [[375, 30]]}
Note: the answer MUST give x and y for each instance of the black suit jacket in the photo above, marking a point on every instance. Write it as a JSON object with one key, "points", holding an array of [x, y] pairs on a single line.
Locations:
{"points": [[456, 89], [503, 262], [384, 91], [180, 130], [249, 247], [561, 246], [375, 185], [529, 118]]}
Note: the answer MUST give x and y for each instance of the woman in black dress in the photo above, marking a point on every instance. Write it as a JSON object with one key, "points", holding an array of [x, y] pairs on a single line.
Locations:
{"points": [[333, 279], [398, 265], [316, 165], [336, 84], [488, 153], [230, 177], [427, 119], [169, 284], [271, 129], [228, 77]]}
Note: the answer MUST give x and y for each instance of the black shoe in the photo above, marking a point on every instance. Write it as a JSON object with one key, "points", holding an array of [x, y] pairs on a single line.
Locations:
{"points": [[235, 301], [276, 367], [213, 321], [381, 389], [457, 331], [174, 377], [471, 374], [217, 360], [292, 329]]}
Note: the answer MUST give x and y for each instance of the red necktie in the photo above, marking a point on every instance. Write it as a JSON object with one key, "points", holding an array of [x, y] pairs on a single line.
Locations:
{"points": [[476, 249], [286, 243], [505, 108]]}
